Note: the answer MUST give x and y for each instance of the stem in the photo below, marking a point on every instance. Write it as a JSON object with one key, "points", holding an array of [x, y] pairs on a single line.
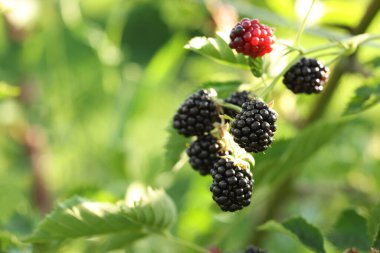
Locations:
{"points": [[266, 91], [228, 105], [302, 28], [179, 241]]}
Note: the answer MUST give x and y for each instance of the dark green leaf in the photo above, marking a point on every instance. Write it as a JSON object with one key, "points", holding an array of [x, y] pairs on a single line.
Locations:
{"points": [[350, 231], [174, 147], [376, 241], [365, 97], [306, 233], [374, 226], [256, 66], [217, 48]]}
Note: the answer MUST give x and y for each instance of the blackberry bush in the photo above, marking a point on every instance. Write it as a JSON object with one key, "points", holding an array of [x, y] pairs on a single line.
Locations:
{"points": [[306, 76], [196, 115], [204, 153], [254, 127], [232, 185], [251, 38], [236, 98]]}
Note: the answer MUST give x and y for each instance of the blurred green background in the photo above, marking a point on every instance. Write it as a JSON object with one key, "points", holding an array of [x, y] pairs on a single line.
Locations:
{"points": [[100, 81]]}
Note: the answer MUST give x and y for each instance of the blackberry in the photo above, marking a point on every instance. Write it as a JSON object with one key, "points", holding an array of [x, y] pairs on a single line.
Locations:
{"points": [[232, 185], [236, 98], [306, 76], [254, 249], [254, 127], [196, 115], [204, 153], [251, 38]]}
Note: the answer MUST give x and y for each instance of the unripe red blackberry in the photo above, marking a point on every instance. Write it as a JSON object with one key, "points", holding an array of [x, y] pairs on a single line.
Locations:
{"points": [[196, 115], [236, 98], [306, 76], [254, 127], [232, 185], [204, 153], [254, 249], [251, 38]]}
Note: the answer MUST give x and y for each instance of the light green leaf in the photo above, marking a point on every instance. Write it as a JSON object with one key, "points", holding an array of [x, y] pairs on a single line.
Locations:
{"points": [[223, 89], [296, 152], [78, 217], [298, 227], [350, 231], [121, 240], [174, 147], [217, 48], [365, 97], [7, 91], [147, 212], [10, 243], [153, 210], [256, 66]]}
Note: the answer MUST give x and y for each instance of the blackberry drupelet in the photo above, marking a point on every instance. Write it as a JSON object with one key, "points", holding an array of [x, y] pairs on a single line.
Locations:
{"points": [[306, 76], [196, 115], [254, 249], [232, 185], [236, 98], [254, 127], [251, 38], [204, 153]]}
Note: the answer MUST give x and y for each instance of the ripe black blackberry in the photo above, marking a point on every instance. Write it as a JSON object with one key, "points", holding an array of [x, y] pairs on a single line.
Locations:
{"points": [[254, 127], [231, 186], [236, 98], [196, 115], [204, 153], [254, 249], [306, 76]]}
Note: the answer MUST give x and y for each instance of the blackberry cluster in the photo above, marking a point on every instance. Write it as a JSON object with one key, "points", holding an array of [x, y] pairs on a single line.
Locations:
{"points": [[251, 38], [232, 185], [254, 126], [306, 76], [204, 153], [196, 115], [236, 98], [254, 249]]}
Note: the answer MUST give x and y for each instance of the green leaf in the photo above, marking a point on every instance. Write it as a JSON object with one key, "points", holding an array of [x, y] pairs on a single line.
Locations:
{"points": [[376, 240], [78, 217], [10, 243], [365, 97], [350, 231], [174, 147], [121, 240], [374, 226], [306, 233], [151, 211], [223, 89], [218, 49], [256, 66], [7, 91], [296, 152]]}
